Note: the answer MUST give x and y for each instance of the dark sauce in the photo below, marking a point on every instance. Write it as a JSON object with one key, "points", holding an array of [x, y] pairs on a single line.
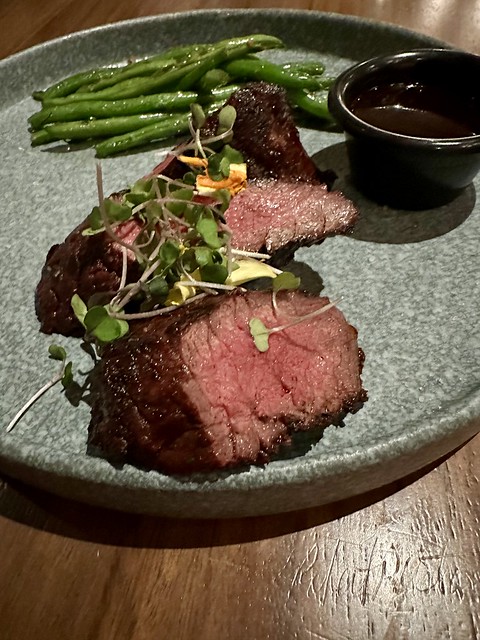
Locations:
{"points": [[413, 122], [417, 110]]}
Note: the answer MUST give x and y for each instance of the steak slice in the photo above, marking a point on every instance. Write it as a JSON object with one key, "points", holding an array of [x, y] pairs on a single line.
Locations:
{"points": [[85, 265], [280, 216], [189, 391]]}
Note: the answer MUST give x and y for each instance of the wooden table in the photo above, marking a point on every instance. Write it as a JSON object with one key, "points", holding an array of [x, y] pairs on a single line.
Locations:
{"points": [[401, 562]]}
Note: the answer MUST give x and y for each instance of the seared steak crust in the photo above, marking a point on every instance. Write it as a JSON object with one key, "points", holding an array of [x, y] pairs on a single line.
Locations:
{"points": [[85, 265], [266, 134], [189, 391]]}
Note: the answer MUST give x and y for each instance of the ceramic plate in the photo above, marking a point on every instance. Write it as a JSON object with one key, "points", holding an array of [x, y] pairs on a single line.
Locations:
{"points": [[408, 281]]}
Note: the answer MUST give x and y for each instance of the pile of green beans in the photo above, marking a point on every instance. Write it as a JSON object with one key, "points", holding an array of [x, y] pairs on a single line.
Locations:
{"points": [[121, 108]]}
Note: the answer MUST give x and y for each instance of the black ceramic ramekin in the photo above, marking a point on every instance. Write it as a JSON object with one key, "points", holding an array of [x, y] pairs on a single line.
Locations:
{"points": [[411, 171]]}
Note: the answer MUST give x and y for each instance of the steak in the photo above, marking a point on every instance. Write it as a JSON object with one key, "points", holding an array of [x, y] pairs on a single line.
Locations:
{"points": [[287, 204], [86, 265], [189, 391], [280, 216], [267, 136]]}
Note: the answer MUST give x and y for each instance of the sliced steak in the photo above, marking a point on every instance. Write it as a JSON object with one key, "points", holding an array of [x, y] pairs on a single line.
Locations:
{"points": [[280, 216], [286, 205], [288, 202], [85, 265], [189, 391]]}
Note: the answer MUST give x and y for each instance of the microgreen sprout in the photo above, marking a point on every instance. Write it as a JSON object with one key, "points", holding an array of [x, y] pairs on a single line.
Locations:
{"points": [[260, 333], [64, 376], [224, 132], [284, 280]]}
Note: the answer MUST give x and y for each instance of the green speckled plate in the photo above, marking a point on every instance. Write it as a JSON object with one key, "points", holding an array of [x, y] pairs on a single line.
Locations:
{"points": [[408, 281]]}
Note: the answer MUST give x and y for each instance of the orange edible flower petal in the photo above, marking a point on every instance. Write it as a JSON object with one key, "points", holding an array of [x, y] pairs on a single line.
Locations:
{"points": [[235, 182]]}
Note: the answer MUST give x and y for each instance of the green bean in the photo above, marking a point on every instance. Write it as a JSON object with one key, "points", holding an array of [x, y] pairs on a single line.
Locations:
{"points": [[133, 70], [187, 50], [308, 68], [228, 50], [130, 88], [40, 137], [179, 100], [170, 127], [313, 103], [222, 93], [113, 74], [213, 79], [150, 65], [105, 127], [72, 83], [257, 69], [134, 87], [325, 83], [155, 132]]}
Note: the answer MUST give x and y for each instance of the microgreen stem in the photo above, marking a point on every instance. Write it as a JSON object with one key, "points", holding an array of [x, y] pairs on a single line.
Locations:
{"points": [[176, 219], [203, 148], [143, 314], [252, 254], [155, 312], [123, 279], [274, 302], [138, 285], [172, 181], [308, 316], [99, 176], [198, 142], [51, 383], [149, 241], [209, 285], [261, 333], [106, 223]]}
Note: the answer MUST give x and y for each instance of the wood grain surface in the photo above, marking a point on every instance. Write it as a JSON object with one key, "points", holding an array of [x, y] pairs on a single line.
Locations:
{"points": [[402, 562], [27, 22]]}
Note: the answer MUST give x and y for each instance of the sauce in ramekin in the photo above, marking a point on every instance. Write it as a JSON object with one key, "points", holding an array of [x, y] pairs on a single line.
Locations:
{"points": [[416, 110]]}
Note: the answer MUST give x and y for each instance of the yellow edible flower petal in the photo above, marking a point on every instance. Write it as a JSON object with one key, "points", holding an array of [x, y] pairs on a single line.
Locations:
{"points": [[179, 293], [249, 269]]}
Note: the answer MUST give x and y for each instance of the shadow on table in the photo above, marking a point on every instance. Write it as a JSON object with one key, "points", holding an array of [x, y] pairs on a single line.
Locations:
{"points": [[60, 516]]}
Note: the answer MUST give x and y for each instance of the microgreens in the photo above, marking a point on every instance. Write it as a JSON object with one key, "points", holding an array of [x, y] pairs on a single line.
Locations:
{"points": [[102, 326], [181, 241], [64, 376], [260, 333], [114, 211], [284, 280], [219, 163]]}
